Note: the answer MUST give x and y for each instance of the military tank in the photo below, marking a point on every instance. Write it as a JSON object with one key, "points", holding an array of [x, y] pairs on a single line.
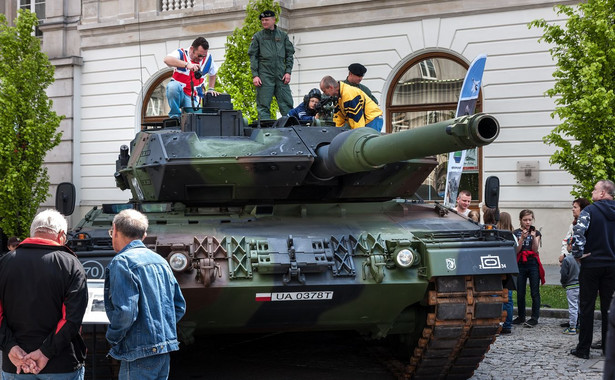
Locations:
{"points": [[290, 227]]}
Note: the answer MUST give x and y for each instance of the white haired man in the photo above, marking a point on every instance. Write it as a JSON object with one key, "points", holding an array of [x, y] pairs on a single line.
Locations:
{"points": [[43, 297]]}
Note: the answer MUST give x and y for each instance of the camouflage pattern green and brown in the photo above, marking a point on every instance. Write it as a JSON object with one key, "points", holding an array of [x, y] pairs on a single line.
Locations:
{"points": [[300, 228]]}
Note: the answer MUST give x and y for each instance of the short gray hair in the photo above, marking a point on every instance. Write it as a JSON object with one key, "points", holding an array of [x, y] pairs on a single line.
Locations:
{"points": [[608, 187], [48, 222], [131, 223], [328, 81]]}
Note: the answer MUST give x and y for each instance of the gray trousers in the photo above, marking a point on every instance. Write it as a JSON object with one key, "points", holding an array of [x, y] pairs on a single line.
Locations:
{"points": [[573, 306]]}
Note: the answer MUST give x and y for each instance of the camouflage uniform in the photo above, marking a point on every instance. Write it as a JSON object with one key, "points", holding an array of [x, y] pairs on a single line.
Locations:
{"points": [[271, 56]]}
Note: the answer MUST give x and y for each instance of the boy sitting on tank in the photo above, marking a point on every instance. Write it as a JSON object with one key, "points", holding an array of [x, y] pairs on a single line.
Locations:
{"points": [[307, 110]]}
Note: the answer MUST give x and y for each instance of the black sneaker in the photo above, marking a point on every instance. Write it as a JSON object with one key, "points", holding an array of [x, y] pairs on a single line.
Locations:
{"points": [[578, 354], [505, 331], [567, 324], [530, 323], [518, 321]]}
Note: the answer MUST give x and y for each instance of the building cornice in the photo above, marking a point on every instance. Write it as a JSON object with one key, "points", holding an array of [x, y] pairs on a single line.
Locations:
{"points": [[297, 16]]}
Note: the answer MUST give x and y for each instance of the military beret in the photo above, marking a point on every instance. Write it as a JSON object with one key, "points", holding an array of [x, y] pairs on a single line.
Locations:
{"points": [[266, 13], [357, 69]]}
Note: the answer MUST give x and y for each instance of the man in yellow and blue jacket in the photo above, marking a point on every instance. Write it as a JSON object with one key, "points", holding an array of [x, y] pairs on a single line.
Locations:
{"points": [[353, 107]]}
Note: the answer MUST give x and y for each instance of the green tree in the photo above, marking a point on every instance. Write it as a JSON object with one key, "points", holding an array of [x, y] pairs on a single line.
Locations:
{"points": [[584, 51], [28, 126], [234, 75]]}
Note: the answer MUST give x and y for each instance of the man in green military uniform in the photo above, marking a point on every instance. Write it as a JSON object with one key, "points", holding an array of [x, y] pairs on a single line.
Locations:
{"points": [[271, 61], [356, 71]]}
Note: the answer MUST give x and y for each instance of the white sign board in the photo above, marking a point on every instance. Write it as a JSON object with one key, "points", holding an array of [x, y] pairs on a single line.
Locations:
{"points": [[95, 312]]}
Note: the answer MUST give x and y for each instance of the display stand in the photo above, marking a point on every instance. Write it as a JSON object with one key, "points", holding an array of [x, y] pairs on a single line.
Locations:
{"points": [[95, 316]]}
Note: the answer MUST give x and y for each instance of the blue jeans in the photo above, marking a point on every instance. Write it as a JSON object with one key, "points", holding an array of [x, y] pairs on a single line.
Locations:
{"points": [[155, 367], [77, 375], [508, 307], [528, 271], [177, 99], [376, 123]]}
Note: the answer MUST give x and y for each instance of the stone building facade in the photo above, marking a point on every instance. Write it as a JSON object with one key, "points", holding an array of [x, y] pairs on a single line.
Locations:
{"points": [[108, 56]]}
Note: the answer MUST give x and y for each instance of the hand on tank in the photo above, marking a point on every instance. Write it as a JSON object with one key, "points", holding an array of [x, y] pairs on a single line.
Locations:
{"points": [[257, 81]]}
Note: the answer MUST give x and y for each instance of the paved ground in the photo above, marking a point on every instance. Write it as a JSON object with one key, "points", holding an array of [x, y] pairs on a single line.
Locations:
{"points": [[541, 352]]}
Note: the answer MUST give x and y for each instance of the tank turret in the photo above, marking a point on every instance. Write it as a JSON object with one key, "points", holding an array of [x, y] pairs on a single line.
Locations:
{"points": [[214, 158]]}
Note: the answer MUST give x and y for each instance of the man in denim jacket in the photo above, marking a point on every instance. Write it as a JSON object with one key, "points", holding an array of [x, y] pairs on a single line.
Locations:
{"points": [[143, 302]]}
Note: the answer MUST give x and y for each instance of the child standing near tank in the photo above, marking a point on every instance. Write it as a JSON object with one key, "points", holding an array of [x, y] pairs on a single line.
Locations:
{"points": [[569, 273], [505, 224], [530, 268]]}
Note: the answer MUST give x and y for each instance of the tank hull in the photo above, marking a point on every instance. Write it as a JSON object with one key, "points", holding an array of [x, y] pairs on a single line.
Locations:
{"points": [[304, 267]]}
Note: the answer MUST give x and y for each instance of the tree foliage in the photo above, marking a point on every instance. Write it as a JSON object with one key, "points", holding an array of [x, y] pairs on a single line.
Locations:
{"points": [[234, 74], [584, 52], [28, 126]]}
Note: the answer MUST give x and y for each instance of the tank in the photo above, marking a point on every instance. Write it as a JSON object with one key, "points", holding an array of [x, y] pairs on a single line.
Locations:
{"points": [[290, 227]]}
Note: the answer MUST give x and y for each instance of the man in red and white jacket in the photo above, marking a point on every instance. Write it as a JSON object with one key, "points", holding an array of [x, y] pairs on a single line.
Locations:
{"points": [[184, 89]]}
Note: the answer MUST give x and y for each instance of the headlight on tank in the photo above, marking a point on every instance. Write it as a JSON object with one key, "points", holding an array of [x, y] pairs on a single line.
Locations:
{"points": [[178, 261], [404, 258]]}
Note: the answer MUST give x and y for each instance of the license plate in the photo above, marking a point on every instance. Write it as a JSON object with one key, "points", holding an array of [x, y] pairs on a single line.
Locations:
{"points": [[295, 296]]}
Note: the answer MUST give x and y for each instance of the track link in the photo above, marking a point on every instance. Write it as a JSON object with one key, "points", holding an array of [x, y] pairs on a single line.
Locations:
{"points": [[463, 320]]}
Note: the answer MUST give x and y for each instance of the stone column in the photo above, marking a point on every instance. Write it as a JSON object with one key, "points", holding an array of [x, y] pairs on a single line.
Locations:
{"points": [[61, 42]]}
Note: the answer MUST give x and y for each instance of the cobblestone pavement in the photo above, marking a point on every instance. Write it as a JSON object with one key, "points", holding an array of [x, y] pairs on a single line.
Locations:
{"points": [[541, 352]]}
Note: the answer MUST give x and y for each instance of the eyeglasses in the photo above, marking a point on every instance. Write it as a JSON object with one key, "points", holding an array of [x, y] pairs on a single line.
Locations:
{"points": [[110, 232]]}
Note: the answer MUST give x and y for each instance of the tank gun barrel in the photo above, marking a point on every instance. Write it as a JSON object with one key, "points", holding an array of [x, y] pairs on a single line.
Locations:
{"points": [[364, 149]]}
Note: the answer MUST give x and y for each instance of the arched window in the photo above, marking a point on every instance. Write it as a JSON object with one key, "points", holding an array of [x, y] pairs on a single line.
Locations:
{"points": [[425, 90], [155, 105]]}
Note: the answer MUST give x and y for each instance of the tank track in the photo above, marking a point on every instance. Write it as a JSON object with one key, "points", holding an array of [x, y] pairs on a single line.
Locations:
{"points": [[464, 317]]}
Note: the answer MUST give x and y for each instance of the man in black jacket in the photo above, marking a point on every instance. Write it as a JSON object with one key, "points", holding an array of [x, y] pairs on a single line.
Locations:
{"points": [[594, 247], [43, 297]]}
